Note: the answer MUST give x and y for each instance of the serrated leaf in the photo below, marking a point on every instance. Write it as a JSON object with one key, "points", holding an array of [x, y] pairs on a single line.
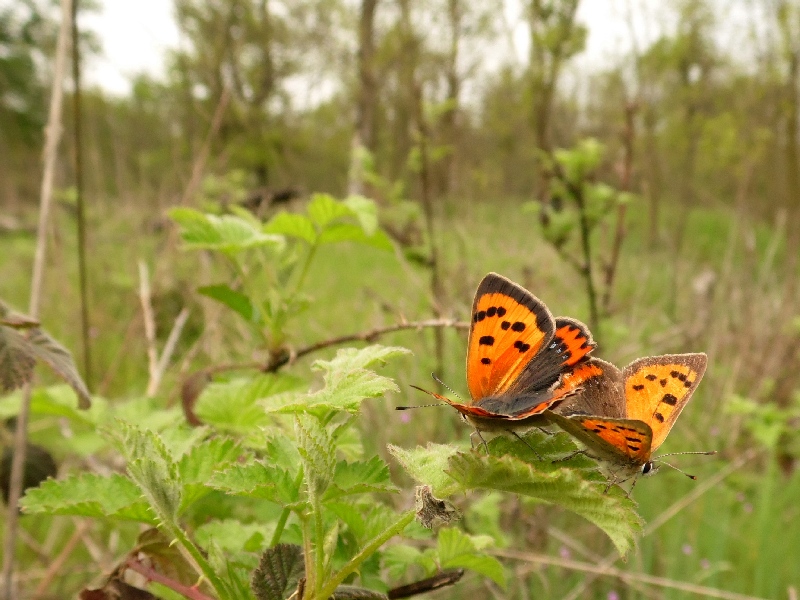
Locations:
{"points": [[236, 301], [397, 558], [166, 557], [318, 452], [347, 383], [89, 495], [292, 225], [233, 535], [257, 480], [360, 478], [565, 487], [226, 233], [324, 209], [197, 466], [456, 549], [427, 466], [151, 467], [278, 572], [236, 405]]}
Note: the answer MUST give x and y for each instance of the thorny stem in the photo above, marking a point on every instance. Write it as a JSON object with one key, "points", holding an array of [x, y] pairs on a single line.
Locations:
{"points": [[276, 537]]}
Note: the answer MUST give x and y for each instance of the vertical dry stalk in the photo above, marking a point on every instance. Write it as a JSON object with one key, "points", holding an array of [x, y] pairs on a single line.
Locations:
{"points": [[52, 137], [149, 322]]}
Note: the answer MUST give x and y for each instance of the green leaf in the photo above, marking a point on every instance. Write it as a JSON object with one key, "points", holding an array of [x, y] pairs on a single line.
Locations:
{"points": [[89, 495], [324, 209], [347, 232], [347, 383], [151, 467], [236, 301], [17, 359], [566, 487], [427, 466], [456, 549], [292, 225], [236, 405], [366, 211], [197, 466], [318, 451], [233, 535], [226, 233], [278, 572], [360, 478], [352, 592], [257, 480]]}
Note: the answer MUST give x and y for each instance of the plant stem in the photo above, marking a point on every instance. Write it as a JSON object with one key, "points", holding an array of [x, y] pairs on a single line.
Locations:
{"points": [[200, 561], [276, 536], [329, 588], [594, 321]]}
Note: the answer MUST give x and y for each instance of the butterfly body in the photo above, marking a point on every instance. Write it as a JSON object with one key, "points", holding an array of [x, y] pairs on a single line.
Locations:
{"points": [[639, 415]]}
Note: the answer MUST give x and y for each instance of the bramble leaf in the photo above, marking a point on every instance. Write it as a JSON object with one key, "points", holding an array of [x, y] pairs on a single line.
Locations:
{"points": [[293, 225], [360, 478], [318, 451], [278, 572], [257, 480]]}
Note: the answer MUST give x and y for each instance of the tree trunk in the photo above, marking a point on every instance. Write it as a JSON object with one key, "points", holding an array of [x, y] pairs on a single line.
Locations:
{"points": [[364, 134]]}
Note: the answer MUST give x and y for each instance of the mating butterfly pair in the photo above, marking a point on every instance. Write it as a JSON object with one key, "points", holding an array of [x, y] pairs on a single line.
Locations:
{"points": [[526, 368]]}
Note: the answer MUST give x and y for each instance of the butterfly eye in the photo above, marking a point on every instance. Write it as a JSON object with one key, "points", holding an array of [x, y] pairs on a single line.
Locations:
{"points": [[649, 468]]}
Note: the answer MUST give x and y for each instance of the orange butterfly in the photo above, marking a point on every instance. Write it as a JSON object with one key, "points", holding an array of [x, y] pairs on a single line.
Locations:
{"points": [[520, 360], [630, 423]]}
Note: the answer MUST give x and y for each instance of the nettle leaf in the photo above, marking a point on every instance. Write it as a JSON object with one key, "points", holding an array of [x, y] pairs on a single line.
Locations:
{"points": [[352, 592], [236, 405], [456, 549], [236, 301], [278, 572], [347, 382], [398, 558], [151, 467], [17, 360], [257, 480], [360, 478], [318, 451], [427, 466], [197, 466], [89, 495], [567, 487], [226, 233], [292, 225]]}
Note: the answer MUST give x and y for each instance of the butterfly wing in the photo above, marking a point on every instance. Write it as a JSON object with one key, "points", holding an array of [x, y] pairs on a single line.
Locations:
{"points": [[657, 388], [598, 387], [509, 327], [622, 442]]}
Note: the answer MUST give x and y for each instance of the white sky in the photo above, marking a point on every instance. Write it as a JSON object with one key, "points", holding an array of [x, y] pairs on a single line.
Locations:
{"points": [[136, 35]]}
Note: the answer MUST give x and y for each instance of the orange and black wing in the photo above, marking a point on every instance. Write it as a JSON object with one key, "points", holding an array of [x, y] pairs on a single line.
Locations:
{"points": [[510, 326], [622, 442], [657, 388]]}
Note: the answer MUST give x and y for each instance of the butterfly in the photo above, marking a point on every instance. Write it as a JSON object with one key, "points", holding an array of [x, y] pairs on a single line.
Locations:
{"points": [[622, 418], [520, 359]]}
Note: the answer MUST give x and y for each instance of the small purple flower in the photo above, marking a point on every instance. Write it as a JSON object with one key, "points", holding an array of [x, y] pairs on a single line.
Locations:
{"points": [[705, 564], [687, 549], [612, 595], [405, 417], [564, 553]]}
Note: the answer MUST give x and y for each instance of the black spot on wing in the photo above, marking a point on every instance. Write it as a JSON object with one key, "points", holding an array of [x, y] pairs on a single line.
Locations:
{"points": [[486, 361], [505, 325], [486, 340], [638, 388], [669, 399], [650, 377], [518, 326], [659, 417]]}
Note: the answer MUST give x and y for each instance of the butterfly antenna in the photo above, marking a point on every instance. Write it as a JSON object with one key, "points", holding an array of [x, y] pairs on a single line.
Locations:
{"points": [[437, 396], [703, 452], [444, 385], [663, 462]]}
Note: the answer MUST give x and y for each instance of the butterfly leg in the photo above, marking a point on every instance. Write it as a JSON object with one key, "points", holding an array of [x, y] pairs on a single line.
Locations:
{"points": [[520, 438], [483, 441]]}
